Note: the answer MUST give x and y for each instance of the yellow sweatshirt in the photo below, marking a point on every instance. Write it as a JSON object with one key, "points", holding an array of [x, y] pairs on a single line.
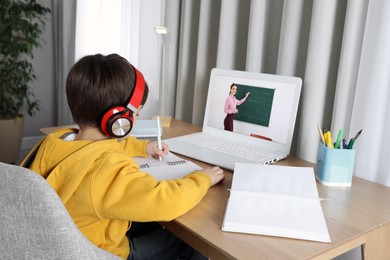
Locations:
{"points": [[104, 191]]}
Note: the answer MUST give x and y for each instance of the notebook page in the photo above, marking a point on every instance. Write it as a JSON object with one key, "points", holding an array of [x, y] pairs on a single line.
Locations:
{"points": [[276, 201], [275, 179], [169, 168]]}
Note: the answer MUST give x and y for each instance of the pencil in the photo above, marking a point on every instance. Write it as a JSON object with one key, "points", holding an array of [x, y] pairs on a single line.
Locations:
{"points": [[321, 134]]}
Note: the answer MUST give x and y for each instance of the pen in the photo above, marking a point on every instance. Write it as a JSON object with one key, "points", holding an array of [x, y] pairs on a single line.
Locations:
{"points": [[344, 143], [159, 145], [352, 141], [321, 134], [358, 134], [337, 144]]}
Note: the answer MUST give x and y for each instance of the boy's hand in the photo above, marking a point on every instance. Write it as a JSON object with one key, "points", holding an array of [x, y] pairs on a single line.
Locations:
{"points": [[215, 173], [152, 149]]}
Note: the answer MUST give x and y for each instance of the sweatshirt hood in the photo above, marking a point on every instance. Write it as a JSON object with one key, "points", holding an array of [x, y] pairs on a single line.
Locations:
{"points": [[61, 165]]}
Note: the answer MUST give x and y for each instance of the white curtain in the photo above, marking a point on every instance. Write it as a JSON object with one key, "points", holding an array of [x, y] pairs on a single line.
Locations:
{"points": [[64, 24], [105, 27], [339, 48], [371, 104]]}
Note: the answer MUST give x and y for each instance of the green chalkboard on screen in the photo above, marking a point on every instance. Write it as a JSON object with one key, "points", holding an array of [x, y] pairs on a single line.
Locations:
{"points": [[257, 107]]}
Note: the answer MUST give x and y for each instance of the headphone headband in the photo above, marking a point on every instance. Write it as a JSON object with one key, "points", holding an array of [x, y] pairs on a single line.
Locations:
{"points": [[138, 91]]}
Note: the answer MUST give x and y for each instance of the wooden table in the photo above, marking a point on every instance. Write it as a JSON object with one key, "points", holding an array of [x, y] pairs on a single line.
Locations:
{"points": [[355, 216]]}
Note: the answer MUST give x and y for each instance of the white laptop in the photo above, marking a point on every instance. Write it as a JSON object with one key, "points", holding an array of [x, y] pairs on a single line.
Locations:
{"points": [[262, 129]]}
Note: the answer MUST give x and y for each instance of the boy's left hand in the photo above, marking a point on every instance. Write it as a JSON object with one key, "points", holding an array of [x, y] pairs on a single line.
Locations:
{"points": [[153, 150]]}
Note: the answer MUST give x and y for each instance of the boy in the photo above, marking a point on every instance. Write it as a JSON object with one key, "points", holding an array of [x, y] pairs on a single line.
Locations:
{"points": [[93, 172]]}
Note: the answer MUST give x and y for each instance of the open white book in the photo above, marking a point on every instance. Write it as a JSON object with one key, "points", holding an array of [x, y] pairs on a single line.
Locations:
{"points": [[169, 168], [276, 201]]}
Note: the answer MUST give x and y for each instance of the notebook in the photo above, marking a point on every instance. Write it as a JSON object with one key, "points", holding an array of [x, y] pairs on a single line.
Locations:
{"points": [[145, 128], [262, 129], [169, 168], [275, 201]]}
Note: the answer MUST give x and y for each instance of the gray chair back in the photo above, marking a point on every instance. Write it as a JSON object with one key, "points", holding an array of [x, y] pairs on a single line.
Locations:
{"points": [[34, 222]]}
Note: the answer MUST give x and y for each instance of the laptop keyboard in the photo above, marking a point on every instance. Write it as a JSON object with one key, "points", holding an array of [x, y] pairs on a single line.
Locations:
{"points": [[227, 147]]}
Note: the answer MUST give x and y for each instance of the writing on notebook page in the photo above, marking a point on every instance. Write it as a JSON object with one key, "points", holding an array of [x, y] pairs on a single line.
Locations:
{"points": [[170, 167], [150, 163]]}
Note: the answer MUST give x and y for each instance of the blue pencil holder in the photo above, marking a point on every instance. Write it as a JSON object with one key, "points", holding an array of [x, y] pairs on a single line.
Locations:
{"points": [[335, 166]]}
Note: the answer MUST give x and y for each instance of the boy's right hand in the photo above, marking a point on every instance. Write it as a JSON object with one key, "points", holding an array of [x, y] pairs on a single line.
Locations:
{"points": [[215, 173]]}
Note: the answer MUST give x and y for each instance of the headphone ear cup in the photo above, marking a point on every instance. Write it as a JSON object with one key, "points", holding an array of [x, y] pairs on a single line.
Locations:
{"points": [[117, 122]]}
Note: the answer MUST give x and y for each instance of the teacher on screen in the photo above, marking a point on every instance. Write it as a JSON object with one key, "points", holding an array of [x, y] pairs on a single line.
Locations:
{"points": [[231, 107]]}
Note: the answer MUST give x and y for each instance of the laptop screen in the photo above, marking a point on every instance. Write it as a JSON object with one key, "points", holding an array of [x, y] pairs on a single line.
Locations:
{"points": [[267, 113]]}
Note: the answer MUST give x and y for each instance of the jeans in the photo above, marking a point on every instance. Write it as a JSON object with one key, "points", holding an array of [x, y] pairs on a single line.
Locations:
{"points": [[151, 241]]}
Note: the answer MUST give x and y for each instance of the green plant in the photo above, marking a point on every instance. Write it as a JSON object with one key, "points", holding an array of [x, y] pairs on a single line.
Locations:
{"points": [[21, 26]]}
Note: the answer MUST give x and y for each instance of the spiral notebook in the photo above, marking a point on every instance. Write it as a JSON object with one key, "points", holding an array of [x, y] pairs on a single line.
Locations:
{"points": [[169, 168]]}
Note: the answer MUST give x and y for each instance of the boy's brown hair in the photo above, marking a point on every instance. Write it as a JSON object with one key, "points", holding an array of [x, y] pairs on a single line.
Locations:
{"points": [[96, 83]]}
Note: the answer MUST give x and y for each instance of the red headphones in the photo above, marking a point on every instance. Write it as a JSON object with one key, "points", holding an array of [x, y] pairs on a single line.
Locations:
{"points": [[118, 121]]}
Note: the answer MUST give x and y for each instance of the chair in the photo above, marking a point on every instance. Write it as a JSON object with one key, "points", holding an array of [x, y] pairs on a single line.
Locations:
{"points": [[34, 222]]}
